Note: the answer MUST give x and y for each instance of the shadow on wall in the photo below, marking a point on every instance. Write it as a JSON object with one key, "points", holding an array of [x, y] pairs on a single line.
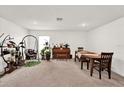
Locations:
{"points": [[118, 66]]}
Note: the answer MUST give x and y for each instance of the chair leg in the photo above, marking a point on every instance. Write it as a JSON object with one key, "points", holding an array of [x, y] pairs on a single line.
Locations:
{"points": [[91, 73], [81, 65], [109, 73]]}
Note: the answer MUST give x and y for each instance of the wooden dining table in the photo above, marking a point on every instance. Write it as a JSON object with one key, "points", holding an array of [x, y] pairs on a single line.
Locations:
{"points": [[78, 54], [92, 57]]}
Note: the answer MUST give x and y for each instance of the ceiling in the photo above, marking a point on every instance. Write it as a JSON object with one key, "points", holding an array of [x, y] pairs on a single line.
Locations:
{"points": [[71, 17]]}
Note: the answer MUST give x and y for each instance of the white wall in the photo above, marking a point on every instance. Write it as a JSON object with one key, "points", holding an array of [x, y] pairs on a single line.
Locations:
{"points": [[110, 37], [73, 38], [105, 38], [9, 28]]}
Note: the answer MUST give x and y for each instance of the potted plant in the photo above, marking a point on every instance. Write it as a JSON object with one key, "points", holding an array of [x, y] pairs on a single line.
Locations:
{"points": [[42, 53], [47, 53], [66, 45]]}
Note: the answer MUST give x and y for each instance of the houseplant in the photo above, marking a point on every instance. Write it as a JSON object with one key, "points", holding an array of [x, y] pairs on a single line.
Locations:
{"points": [[66, 45], [47, 53], [42, 53]]}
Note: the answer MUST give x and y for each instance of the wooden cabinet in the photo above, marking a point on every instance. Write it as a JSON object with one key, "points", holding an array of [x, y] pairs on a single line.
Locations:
{"points": [[61, 53]]}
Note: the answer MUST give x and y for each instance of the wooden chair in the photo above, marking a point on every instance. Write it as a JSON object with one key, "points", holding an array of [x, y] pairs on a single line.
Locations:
{"points": [[76, 57], [104, 63], [86, 60]]}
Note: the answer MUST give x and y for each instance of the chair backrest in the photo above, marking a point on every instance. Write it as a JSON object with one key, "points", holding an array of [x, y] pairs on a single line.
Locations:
{"points": [[80, 49], [106, 57]]}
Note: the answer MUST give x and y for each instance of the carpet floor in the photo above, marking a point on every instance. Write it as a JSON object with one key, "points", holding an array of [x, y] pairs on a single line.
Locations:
{"points": [[58, 73]]}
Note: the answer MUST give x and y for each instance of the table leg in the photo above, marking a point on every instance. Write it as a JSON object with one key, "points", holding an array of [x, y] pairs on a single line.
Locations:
{"points": [[91, 70], [81, 65], [100, 71], [88, 65]]}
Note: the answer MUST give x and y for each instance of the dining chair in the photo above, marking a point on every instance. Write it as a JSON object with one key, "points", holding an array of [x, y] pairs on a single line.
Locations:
{"points": [[104, 63], [84, 60]]}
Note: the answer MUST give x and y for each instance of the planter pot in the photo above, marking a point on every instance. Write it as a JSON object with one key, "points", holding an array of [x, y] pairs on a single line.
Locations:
{"points": [[43, 57], [47, 57]]}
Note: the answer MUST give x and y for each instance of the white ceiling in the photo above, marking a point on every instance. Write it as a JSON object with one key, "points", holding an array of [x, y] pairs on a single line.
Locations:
{"points": [[74, 17]]}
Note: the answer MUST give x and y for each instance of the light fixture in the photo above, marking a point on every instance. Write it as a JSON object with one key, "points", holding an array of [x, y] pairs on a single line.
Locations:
{"points": [[83, 25], [59, 18], [35, 23]]}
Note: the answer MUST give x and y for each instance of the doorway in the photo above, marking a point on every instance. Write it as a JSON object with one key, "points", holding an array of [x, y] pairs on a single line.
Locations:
{"points": [[42, 42]]}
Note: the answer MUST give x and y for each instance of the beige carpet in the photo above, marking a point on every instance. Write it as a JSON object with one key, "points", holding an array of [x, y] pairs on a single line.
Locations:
{"points": [[58, 73]]}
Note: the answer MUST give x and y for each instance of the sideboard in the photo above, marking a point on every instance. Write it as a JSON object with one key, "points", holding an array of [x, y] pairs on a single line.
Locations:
{"points": [[61, 53]]}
